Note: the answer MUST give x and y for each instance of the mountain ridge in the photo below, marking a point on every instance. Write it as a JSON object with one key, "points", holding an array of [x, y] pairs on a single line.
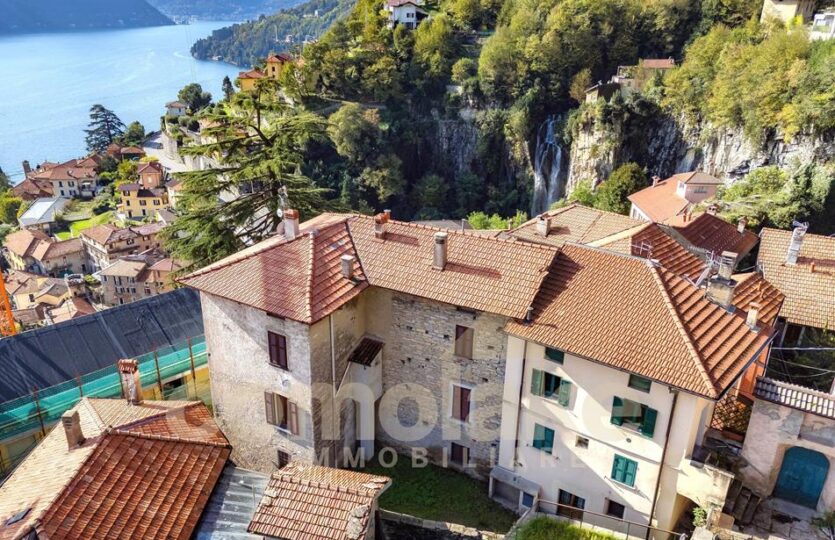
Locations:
{"points": [[79, 15]]}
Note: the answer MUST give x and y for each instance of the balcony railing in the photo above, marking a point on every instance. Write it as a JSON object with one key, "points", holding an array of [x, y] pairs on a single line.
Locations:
{"points": [[620, 528]]}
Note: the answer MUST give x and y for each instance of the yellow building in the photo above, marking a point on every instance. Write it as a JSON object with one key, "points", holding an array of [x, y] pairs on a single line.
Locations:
{"points": [[276, 63], [139, 202], [247, 79]]}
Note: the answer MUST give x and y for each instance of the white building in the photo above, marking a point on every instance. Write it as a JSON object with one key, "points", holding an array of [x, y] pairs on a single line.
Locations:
{"points": [[42, 213], [176, 108], [823, 27], [405, 12], [610, 389], [666, 199]]}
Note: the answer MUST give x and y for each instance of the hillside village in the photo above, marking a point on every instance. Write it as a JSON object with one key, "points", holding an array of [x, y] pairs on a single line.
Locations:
{"points": [[195, 345]]}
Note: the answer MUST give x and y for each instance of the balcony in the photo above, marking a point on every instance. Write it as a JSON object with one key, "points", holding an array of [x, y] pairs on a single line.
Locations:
{"points": [[705, 477]]}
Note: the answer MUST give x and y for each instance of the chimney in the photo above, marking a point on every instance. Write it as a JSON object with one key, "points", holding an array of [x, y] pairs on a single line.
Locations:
{"points": [[387, 213], [131, 385], [26, 167], [72, 429], [380, 221], [727, 263], [741, 224], [753, 315], [720, 291], [348, 266], [440, 253], [798, 233], [712, 209], [656, 180], [291, 224], [543, 225]]}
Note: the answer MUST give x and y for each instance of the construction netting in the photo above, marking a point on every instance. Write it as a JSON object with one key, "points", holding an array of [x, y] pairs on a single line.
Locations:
{"points": [[162, 371]]}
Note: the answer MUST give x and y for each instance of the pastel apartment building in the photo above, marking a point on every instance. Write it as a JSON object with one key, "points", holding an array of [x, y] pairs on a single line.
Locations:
{"points": [[34, 251], [358, 333], [135, 277], [105, 244], [148, 195], [73, 178]]}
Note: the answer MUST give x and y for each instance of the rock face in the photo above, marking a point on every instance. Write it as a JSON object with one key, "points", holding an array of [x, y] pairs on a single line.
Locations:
{"points": [[456, 141], [666, 145]]}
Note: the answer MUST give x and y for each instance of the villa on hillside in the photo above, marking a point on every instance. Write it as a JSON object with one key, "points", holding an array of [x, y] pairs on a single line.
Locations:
{"points": [[36, 252], [409, 13]]}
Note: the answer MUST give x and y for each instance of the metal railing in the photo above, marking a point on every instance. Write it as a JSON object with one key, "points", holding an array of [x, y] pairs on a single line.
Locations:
{"points": [[618, 527]]}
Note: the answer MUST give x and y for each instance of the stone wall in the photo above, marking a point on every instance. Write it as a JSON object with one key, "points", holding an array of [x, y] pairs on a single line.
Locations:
{"points": [[420, 367], [772, 431], [236, 340]]}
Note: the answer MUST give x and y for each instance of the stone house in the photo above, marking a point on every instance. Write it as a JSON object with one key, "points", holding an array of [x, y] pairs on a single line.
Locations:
{"points": [[320, 322], [135, 277], [104, 244], [787, 10]]}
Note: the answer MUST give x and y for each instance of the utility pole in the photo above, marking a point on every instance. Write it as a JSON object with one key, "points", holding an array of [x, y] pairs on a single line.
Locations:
{"points": [[7, 324]]}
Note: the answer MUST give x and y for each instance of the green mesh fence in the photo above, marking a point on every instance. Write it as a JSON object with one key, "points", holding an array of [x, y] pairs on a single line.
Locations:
{"points": [[45, 406]]}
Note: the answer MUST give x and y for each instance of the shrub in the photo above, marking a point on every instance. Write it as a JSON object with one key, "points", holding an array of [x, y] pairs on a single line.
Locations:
{"points": [[545, 528]]}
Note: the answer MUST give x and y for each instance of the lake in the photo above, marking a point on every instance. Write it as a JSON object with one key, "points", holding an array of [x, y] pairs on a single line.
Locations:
{"points": [[50, 81]]}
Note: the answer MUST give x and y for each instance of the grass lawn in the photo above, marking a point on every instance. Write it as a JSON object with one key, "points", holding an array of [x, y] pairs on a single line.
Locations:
{"points": [[77, 226], [439, 494], [544, 528]]}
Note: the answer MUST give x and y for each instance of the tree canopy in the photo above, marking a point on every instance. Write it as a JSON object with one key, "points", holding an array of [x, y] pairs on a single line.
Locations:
{"points": [[104, 128], [194, 97]]}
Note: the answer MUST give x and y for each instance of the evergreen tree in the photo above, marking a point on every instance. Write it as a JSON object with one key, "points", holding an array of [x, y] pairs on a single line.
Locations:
{"points": [[194, 96], [228, 89], [104, 128], [134, 135], [259, 143], [5, 183]]}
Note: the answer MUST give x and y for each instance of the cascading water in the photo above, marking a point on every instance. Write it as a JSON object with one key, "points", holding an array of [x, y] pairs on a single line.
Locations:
{"points": [[548, 169]]}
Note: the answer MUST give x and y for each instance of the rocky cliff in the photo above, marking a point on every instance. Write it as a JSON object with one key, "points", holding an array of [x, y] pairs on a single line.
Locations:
{"points": [[666, 145]]}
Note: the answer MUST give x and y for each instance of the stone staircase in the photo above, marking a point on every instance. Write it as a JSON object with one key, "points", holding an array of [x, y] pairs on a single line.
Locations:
{"points": [[741, 503]]}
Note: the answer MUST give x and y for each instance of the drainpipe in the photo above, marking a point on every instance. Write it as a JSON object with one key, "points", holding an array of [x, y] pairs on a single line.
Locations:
{"points": [[663, 460], [519, 407], [333, 389]]}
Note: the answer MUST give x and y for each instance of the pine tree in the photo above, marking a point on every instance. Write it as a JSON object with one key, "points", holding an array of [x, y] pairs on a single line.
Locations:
{"points": [[5, 183], [104, 128], [228, 89], [259, 143]]}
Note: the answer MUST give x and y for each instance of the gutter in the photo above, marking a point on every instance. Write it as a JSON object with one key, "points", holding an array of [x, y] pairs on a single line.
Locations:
{"points": [[663, 461], [333, 389], [519, 407]]}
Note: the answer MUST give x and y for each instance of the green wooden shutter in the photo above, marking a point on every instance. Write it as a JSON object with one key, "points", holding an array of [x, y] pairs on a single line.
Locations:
{"points": [[624, 470], [565, 393], [536, 383], [617, 411], [538, 436], [618, 467], [631, 470], [648, 425], [549, 439], [554, 355]]}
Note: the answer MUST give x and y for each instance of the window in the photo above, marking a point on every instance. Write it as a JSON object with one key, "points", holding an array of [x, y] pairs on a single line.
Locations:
{"points": [[550, 386], [571, 505], [156, 202], [278, 350], [543, 438], [527, 500], [639, 383], [582, 442], [623, 470], [554, 355], [464, 341], [459, 454], [633, 415], [147, 291], [281, 412], [461, 403], [283, 459], [615, 509]]}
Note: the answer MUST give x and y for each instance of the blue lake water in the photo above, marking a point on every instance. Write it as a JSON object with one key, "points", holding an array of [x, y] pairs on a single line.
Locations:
{"points": [[49, 82]]}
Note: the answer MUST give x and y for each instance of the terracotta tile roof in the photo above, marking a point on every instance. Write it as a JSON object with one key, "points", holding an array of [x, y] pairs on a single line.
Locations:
{"points": [[796, 397], [251, 74], [105, 233], [119, 483], [575, 223], [482, 273], [280, 57], [148, 229], [602, 305], [71, 309], [23, 242], [309, 502], [151, 166], [18, 282], [45, 251], [712, 233], [753, 287], [660, 202], [32, 188], [366, 351], [658, 63], [809, 284], [651, 241], [300, 279]]}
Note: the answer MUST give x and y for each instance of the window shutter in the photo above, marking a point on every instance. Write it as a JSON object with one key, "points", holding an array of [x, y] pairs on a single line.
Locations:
{"points": [[549, 439], [465, 404], [293, 420], [536, 382], [618, 469], [270, 407], [631, 470], [617, 411], [538, 436], [648, 425], [282, 352], [456, 402], [565, 393]]}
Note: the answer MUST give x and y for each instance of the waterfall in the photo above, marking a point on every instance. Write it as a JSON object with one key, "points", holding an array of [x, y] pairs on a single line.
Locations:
{"points": [[548, 166]]}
